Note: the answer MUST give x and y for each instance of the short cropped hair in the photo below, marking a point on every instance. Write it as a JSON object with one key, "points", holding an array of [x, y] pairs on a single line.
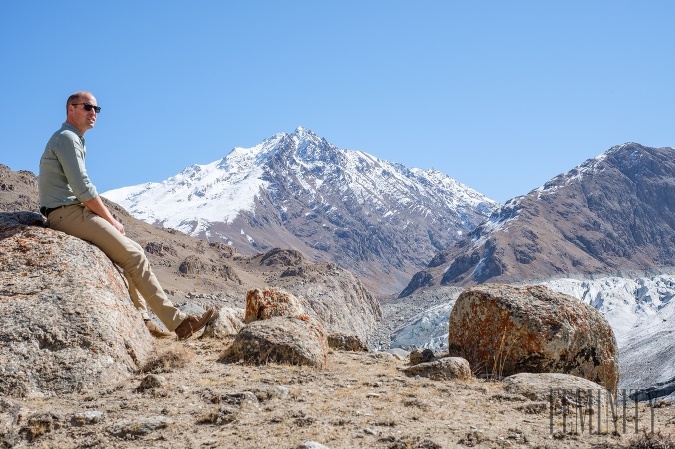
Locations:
{"points": [[76, 97]]}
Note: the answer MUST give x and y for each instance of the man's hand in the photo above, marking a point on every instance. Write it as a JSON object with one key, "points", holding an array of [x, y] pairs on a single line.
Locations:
{"points": [[118, 226], [96, 206]]}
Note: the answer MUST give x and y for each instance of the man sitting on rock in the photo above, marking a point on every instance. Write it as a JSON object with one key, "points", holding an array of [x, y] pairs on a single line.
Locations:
{"points": [[71, 204]]}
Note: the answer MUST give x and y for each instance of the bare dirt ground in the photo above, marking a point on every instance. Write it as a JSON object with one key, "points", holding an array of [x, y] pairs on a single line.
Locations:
{"points": [[361, 400]]}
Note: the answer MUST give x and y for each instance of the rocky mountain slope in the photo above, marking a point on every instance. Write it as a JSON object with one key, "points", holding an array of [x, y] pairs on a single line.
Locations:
{"points": [[378, 219], [612, 215]]}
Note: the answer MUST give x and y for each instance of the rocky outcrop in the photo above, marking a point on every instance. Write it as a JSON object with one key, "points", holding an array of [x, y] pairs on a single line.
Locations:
{"points": [[503, 330], [278, 330], [286, 340], [68, 322], [18, 190], [195, 265]]}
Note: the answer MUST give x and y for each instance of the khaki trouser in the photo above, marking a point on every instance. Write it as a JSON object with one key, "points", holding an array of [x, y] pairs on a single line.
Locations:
{"points": [[79, 221]]}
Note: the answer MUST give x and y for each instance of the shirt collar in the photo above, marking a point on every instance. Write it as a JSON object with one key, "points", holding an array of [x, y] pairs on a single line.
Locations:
{"points": [[72, 128]]}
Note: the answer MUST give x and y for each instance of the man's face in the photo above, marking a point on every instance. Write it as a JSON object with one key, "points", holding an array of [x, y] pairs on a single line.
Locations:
{"points": [[78, 115]]}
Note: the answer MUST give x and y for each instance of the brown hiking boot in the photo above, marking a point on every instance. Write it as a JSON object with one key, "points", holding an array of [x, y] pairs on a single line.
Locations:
{"points": [[193, 323], [157, 331]]}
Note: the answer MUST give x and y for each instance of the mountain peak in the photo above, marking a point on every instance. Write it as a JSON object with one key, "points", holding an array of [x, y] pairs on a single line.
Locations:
{"points": [[298, 190], [301, 131]]}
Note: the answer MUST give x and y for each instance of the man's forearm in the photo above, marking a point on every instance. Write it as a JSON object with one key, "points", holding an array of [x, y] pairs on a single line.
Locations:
{"points": [[96, 206]]}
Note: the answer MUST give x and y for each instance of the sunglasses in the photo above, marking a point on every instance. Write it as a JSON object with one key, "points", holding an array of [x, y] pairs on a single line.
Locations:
{"points": [[88, 107]]}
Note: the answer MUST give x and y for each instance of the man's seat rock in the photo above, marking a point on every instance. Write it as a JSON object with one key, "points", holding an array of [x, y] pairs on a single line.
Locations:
{"points": [[67, 320]]}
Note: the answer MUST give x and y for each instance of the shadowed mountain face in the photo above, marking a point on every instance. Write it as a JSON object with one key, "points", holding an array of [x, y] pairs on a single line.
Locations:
{"points": [[614, 214], [378, 219]]}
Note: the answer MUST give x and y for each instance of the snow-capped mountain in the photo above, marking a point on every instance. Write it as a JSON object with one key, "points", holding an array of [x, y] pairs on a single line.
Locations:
{"points": [[612, 215], [641, 312], [379, 219]]}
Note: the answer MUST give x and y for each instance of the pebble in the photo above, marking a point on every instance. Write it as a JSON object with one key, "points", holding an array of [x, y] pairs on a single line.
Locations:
{"points": [[88, 417]]}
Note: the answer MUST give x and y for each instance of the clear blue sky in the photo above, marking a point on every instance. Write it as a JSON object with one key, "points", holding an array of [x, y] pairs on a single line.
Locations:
{"points": [[500, 95]]}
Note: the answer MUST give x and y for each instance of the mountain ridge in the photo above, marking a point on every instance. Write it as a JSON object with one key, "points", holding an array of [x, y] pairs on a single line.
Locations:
{"points": [[613, 214], [378, 219]]}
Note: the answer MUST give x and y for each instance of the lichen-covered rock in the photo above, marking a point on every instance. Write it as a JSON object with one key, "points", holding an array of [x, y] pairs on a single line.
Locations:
{"points": [[286, 340], [503, 330], [265, 304], [67, 320]]}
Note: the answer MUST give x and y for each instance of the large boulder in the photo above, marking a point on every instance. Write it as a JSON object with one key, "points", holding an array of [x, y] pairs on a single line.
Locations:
{"points": [[67, 320], [285, 339], [503, 330]]}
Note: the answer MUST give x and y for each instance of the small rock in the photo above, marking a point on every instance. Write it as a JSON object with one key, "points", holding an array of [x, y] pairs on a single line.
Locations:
{"points": [[241, 399], [228, 323], [139, 427], [152, 381], [417, 356], [279, 391], [311, 445], [88, 417], [347, 343], [441, 369], [399, 353]]}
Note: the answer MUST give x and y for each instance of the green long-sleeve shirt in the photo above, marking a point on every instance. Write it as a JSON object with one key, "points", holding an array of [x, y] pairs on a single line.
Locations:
{"points": [[63, 178]]}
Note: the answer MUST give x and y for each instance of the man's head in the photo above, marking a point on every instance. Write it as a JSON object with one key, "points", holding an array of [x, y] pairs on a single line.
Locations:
{"points": [[81, 111]]}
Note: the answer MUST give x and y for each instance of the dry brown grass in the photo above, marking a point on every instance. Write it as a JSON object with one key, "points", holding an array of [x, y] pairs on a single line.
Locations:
{"points": [[170, 359], [360, 400]]}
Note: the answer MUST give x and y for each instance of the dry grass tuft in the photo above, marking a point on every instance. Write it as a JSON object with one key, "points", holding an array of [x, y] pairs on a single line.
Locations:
{"points": [[174, 358], [652, 441]]}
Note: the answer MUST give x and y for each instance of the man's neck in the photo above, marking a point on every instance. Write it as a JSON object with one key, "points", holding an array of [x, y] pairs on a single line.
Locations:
{"points": [[82, 131]]}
